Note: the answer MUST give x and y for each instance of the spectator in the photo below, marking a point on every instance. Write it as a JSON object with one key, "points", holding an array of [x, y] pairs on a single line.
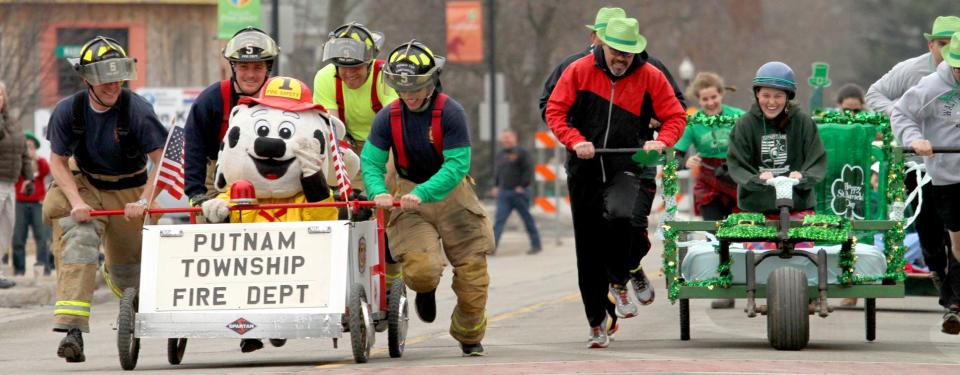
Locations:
{"points": [[14, 164], [513, 173], [850, 98], [30, 194]]}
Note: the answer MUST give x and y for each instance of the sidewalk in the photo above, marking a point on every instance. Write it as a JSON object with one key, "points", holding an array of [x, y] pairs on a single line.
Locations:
{"points": [[35, 289]]}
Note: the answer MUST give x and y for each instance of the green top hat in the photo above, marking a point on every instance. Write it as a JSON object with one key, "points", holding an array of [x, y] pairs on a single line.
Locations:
{"points": [[604, 15], [623, 34], [951, 52], [943, 27]]}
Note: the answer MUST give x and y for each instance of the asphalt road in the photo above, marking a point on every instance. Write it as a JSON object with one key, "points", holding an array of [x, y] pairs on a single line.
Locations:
{"points": [[536, 325]]}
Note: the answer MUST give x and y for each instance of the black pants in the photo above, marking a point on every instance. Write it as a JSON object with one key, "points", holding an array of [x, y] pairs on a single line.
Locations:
{"points": [[607, 248], [935, 243], [716, 210], [944, 205]]}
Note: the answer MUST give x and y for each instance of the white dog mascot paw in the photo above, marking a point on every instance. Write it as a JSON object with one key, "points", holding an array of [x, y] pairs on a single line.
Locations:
{"points": [[215, 210], [282, 144]]}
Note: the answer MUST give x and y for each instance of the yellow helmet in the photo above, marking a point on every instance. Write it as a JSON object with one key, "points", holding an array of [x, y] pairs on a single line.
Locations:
{"points": [[103, 60], [412, 66], [351, 45]]}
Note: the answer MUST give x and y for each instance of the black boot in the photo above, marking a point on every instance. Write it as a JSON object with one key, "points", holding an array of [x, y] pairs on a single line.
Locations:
{"points": [[71, 347], [427, 306], [250, 345], [472, 350], [278, 342]]}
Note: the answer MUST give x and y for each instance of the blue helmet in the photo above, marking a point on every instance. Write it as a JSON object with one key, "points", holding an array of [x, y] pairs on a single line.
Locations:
{"points": [[776, 75]]}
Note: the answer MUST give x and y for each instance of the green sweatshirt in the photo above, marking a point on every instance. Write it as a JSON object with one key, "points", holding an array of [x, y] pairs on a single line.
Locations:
{"points": [[757, 146], [710, 142]]}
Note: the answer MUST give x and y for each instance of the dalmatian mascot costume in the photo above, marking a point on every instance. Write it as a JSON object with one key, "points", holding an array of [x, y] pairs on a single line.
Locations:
{"points": [[286, 147]]}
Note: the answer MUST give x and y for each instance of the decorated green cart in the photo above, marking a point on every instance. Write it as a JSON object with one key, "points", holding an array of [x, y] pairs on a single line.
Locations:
{"points": [[786, 283]]}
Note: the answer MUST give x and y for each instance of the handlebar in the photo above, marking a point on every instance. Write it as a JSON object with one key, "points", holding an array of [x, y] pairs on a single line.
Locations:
{"points": [[630, 150], [936, 150], [238, 207]]}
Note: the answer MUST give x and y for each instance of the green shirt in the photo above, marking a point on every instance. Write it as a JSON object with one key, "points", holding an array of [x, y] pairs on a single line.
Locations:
{"points": [[359, 108], [710, 142]]}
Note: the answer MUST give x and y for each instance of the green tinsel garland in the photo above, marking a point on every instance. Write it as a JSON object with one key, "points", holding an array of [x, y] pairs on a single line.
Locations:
{"points": [[746, 225], [877, 119], [712, 121], [893, 238], [823, 228]]}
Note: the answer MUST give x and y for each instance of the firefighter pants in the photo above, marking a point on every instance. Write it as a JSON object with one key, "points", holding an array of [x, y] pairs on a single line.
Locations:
{"points": [[76, 250], [456, 227]]}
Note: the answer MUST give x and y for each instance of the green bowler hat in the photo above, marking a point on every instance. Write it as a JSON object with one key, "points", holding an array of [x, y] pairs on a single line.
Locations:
{"points": [[604, 15], [951, 52], [623, 34], [943, 27]]}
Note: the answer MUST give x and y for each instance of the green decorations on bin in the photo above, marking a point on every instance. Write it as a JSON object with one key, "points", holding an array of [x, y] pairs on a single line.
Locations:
{"points": [[712, 121], [822, 228], [878, 119], [670, 271], [746, 226]]}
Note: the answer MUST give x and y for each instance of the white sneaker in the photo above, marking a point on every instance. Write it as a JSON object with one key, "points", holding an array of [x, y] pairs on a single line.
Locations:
{"points": [[598, 336], [642, 288], [625, 307]]}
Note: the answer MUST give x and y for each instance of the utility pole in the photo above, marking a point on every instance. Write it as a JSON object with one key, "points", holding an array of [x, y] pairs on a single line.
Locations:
{"points": [[492, 63], [275, 32]]}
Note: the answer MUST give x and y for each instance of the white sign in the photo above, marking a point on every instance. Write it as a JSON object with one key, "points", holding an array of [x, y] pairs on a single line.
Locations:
{"points": [[172, 104], [243, 266]]}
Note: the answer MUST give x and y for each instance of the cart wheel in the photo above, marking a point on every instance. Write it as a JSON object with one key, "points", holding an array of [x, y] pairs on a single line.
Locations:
{"points": [[684, 319], [359, 324], [175, 350], [788, 319], [870, 313], [397, 318], [128, 346]]}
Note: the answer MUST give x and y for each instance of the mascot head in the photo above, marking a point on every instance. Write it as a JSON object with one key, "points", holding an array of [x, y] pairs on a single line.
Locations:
{"points": [[263, 132]]}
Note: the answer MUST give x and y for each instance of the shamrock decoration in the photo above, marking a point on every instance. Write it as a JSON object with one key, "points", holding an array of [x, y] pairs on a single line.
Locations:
{"points": [[848, 192]]}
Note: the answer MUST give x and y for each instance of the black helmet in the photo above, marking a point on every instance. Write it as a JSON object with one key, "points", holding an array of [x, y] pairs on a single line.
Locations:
{"points": [[351, 45], [250, 45], [412, 66], [102, 60]]}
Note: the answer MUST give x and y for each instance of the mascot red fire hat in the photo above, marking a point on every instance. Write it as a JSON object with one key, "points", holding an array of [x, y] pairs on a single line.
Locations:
{"points": [[289, 94]]}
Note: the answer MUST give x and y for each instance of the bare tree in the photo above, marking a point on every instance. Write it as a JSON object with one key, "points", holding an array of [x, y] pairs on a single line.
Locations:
{"points": [[21, 65]]}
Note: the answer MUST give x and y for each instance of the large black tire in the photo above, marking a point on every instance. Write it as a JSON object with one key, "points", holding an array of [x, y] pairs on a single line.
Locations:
{"points": [[128, 346], [175, 350], [357, 324], [684, 319], [397, 318], [870, 315], [788, 319]]}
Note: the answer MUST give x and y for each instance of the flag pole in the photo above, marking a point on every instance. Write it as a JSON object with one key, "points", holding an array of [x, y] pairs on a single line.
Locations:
{"points": [[156, 170]]}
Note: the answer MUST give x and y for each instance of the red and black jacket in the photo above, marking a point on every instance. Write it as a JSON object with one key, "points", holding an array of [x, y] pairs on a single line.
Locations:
{"points": [[590, 104]]}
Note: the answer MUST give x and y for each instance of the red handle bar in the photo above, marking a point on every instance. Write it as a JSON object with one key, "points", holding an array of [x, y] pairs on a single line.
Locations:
{"points": [[247, 207]]}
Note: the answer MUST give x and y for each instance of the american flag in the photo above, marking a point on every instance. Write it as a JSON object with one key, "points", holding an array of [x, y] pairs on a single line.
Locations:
{"points": [[170, 177]]}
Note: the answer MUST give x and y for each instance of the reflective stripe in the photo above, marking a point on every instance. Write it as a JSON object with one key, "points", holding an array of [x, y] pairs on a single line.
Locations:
{"points": [[79, 308], [74, 303], [455, 325], [394, 276], [71, 312], [639, 267], [106, 278]]}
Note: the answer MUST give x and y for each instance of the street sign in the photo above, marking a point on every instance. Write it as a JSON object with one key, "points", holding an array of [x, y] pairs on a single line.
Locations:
{"points": [[68, 51]]}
